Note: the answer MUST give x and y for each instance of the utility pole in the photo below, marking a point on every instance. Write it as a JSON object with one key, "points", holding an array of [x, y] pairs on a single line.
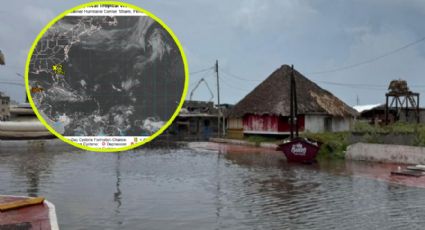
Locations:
{"points": [[2, 59], [218, 99]]}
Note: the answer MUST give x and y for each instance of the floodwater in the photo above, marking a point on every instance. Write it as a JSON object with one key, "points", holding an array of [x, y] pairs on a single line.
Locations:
{"points": [[213, 187]]}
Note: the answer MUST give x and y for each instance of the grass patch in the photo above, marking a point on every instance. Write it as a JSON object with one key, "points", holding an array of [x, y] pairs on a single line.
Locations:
{"points": [[396, 128], [333, 144], [372, 133]]}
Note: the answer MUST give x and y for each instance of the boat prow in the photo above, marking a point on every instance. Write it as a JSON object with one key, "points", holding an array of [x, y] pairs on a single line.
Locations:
{"points": [[300, 150], [297, 149], [19, 212]]}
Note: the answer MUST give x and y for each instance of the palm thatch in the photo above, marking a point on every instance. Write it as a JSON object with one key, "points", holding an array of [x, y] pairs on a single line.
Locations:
{"points": [[272, 97]]}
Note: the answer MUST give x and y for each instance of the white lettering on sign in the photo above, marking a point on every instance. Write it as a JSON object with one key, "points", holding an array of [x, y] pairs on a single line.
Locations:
{"points": [[298, 149]]}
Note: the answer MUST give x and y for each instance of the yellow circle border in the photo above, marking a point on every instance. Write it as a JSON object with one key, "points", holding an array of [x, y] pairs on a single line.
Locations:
{"points": [[138, 144]]}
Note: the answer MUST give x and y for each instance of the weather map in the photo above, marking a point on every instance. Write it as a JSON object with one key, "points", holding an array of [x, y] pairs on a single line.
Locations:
{"points": [[108, 75]]}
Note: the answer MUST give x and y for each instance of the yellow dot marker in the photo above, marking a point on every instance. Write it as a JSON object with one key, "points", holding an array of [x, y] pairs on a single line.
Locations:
{"points": [[58, 69]]}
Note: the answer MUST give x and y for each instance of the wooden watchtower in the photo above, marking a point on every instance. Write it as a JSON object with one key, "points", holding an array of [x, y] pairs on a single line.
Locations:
{"points": [[400, 99]]}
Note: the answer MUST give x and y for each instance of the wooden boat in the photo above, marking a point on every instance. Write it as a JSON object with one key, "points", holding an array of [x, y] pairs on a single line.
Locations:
{"points": [[297, 149], [17, 212], [14, 130], [300, 150], [24, 132], [23, 125]]}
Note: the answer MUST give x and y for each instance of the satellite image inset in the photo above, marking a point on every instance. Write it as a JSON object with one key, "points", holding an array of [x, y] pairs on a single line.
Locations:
{"points": [[106, 76]]}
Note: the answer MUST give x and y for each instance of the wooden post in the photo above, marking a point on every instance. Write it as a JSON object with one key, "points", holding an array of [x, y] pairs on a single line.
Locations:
{"points": [[406, 112], [386, 110], [294, 85], [218, 99], [291, 104], [418, 111]]}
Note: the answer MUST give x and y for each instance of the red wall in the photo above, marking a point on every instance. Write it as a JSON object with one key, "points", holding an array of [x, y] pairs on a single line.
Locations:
{"points": [[269, 123]]}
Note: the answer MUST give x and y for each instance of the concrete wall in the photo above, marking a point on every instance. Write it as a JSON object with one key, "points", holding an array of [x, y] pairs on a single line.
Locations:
{"points": [[386, 153]]}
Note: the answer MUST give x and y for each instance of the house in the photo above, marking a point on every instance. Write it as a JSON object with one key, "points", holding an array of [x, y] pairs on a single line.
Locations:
{"points": [[401, 105], [197, 120], [266, 109], [375, 114], [4, 107]]}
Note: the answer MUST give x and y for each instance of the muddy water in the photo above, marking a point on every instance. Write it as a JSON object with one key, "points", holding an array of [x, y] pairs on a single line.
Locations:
{"points": [[213, 187]]}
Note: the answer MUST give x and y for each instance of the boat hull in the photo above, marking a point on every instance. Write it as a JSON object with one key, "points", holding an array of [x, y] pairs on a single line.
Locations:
{"points": [[300, 150], [23, 130], [39, 216]]}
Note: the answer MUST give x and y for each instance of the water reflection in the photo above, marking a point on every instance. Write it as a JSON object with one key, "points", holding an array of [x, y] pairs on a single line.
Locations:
{"points": [[33, 167], [117, 194], [211, 187]]}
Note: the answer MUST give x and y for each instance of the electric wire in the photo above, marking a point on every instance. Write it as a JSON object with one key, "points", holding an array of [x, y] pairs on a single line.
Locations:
{"points": [[370, 60], [200, 71]]}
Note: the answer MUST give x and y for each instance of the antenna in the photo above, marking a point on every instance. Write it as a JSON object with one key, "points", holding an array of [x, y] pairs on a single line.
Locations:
{"points": [[196, 87]]}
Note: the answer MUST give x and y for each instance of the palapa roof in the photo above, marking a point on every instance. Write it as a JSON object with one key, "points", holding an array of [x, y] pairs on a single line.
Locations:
{"points": [[272, 97]]}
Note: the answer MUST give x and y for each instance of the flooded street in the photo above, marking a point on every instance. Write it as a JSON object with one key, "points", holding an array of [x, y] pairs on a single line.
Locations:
{"points": [[212, 187]]}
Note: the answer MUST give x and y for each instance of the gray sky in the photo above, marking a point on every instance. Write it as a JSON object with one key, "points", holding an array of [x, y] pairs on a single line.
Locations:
{"points": [[252, 38]]}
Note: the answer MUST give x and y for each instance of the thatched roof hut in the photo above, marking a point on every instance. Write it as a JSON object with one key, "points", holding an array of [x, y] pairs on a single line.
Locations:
{"points": [[272, 97]]}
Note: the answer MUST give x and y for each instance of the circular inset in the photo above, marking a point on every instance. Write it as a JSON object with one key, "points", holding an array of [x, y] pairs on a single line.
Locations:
{"points": [[106, 76]]}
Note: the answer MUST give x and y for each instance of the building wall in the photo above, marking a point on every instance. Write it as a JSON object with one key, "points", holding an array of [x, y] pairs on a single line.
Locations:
{"points": [[193, 128], [377, 116], [234, 128], [260, 124], [340, 124], [4, 108], [234, 123], [324, 123], [315, 123], [269, 124]]}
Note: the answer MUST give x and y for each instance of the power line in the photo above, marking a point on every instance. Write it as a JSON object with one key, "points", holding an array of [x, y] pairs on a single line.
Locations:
{"points": [[229, 85], [364, 86], [205, 75], [202, 70], [371, 59], [237, 77], [14, 67], [356, 86], [352, 84], [12, 83]]}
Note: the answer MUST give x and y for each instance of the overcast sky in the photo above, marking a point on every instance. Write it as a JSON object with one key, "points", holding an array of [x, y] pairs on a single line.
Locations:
{"points": [[252, 38]]}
